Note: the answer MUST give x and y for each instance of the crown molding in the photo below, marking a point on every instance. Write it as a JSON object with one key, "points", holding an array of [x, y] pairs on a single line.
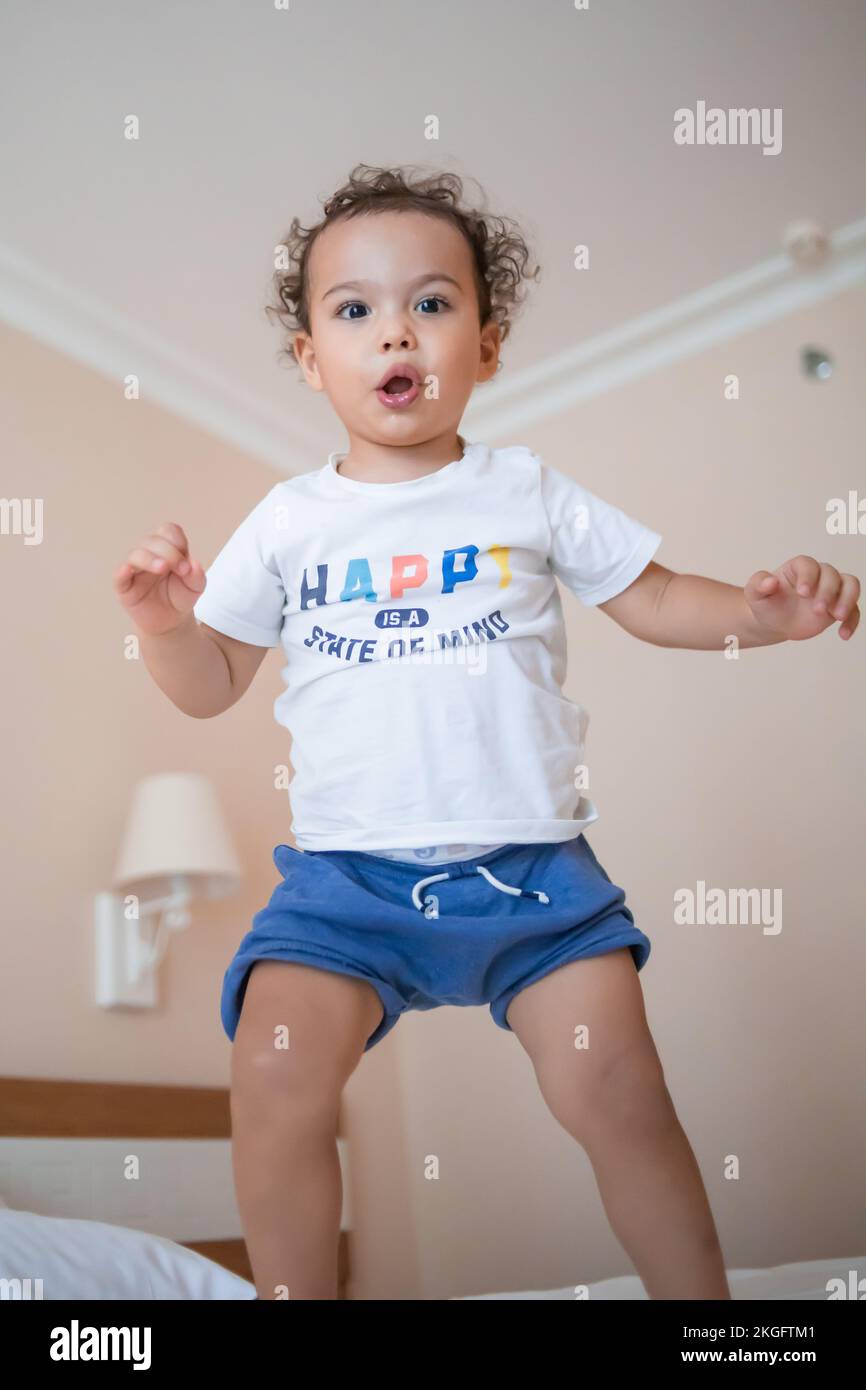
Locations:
{"points": [[34, 300], [767, 292]]}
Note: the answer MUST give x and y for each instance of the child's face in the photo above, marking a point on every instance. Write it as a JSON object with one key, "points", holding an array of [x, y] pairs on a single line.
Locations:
{"points": [[395, 313]]}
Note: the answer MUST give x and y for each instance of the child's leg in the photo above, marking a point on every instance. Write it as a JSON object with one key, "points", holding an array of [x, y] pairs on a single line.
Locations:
{"points": [[285, 1107], [612, 1098]]}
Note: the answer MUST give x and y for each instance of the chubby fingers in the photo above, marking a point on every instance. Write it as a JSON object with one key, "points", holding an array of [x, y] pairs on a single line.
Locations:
{"points": [[831, 592], [845, 605], [836, 595], [849, 627], [168, 542], [162, 550], [762, 584], [846, 596], [802, 573]]}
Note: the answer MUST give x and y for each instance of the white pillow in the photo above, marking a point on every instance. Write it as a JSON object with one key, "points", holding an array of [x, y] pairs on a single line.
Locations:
{"points": [[78, 1259]]}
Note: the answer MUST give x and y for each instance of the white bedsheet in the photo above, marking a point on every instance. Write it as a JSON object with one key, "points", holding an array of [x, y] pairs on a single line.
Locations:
{"points": [[61, 1258], [807, 1279]]}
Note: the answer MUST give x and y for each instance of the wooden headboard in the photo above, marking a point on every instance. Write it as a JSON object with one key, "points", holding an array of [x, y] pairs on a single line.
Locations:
{"points": [[37, 1108]]}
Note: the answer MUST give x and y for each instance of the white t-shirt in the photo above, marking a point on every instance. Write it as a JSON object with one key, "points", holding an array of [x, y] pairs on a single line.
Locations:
{"points": [[425, 645]]}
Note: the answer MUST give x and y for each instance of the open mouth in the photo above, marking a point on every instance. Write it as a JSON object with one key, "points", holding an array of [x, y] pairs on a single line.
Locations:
{"points": [[398, 390]]}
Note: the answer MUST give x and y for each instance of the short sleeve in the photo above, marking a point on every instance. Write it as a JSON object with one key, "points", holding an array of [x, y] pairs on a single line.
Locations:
{"points": [[244, 596], [596, 550]]}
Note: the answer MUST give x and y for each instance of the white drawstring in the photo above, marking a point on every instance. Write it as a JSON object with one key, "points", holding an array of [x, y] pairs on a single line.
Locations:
{"points": [[519, 892], [430, 905], [431, 909]]}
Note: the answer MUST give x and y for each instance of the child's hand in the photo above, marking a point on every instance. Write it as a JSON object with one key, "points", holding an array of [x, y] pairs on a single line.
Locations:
{"points": [[159, 585], [802, 598]]}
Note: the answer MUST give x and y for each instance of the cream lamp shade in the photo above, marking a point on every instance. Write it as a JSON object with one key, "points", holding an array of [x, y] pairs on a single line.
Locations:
{"points": [[176, 827]]}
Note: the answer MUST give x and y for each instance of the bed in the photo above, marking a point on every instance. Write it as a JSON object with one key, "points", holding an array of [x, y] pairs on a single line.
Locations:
{"points": [[124, 1191], [843, 1277], [118, 1191]]}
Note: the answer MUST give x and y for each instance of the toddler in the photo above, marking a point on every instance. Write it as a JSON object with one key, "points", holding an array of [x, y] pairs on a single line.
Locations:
{"points": [[439, 792]]}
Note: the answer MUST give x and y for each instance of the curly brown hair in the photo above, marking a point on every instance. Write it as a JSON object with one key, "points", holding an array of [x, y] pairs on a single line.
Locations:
{"points": [[500, 255]]}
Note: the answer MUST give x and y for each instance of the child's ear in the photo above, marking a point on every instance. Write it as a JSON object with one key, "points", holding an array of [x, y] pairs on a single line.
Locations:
{"points": [[491, 342], [305, 356]]}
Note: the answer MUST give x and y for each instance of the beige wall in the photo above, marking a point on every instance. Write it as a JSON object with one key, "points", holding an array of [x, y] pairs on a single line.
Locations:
{"points": [[743, 774]]}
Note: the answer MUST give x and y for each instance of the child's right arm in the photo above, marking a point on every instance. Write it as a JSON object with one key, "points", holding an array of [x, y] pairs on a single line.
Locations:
{"points": [[202, 671]]}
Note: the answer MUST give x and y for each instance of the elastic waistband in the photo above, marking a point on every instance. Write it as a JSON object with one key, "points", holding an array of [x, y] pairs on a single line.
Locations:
{"points": [[438, 855], [458, 866]]}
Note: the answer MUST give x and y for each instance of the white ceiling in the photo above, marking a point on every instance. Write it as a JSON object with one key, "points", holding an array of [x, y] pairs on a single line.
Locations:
{"points": [[154, 257]]}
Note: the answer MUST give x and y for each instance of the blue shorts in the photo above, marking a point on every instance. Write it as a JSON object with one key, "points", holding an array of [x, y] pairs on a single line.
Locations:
{"points": [[476, 931]]}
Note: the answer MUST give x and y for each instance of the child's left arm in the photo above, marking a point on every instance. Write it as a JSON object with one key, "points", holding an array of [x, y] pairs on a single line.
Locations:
{"points": [[800, 599]]}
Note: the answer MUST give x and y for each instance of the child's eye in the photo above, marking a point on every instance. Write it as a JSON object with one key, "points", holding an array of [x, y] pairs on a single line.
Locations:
{"points": [[350, 304], [428, 298], [358, 304]]}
